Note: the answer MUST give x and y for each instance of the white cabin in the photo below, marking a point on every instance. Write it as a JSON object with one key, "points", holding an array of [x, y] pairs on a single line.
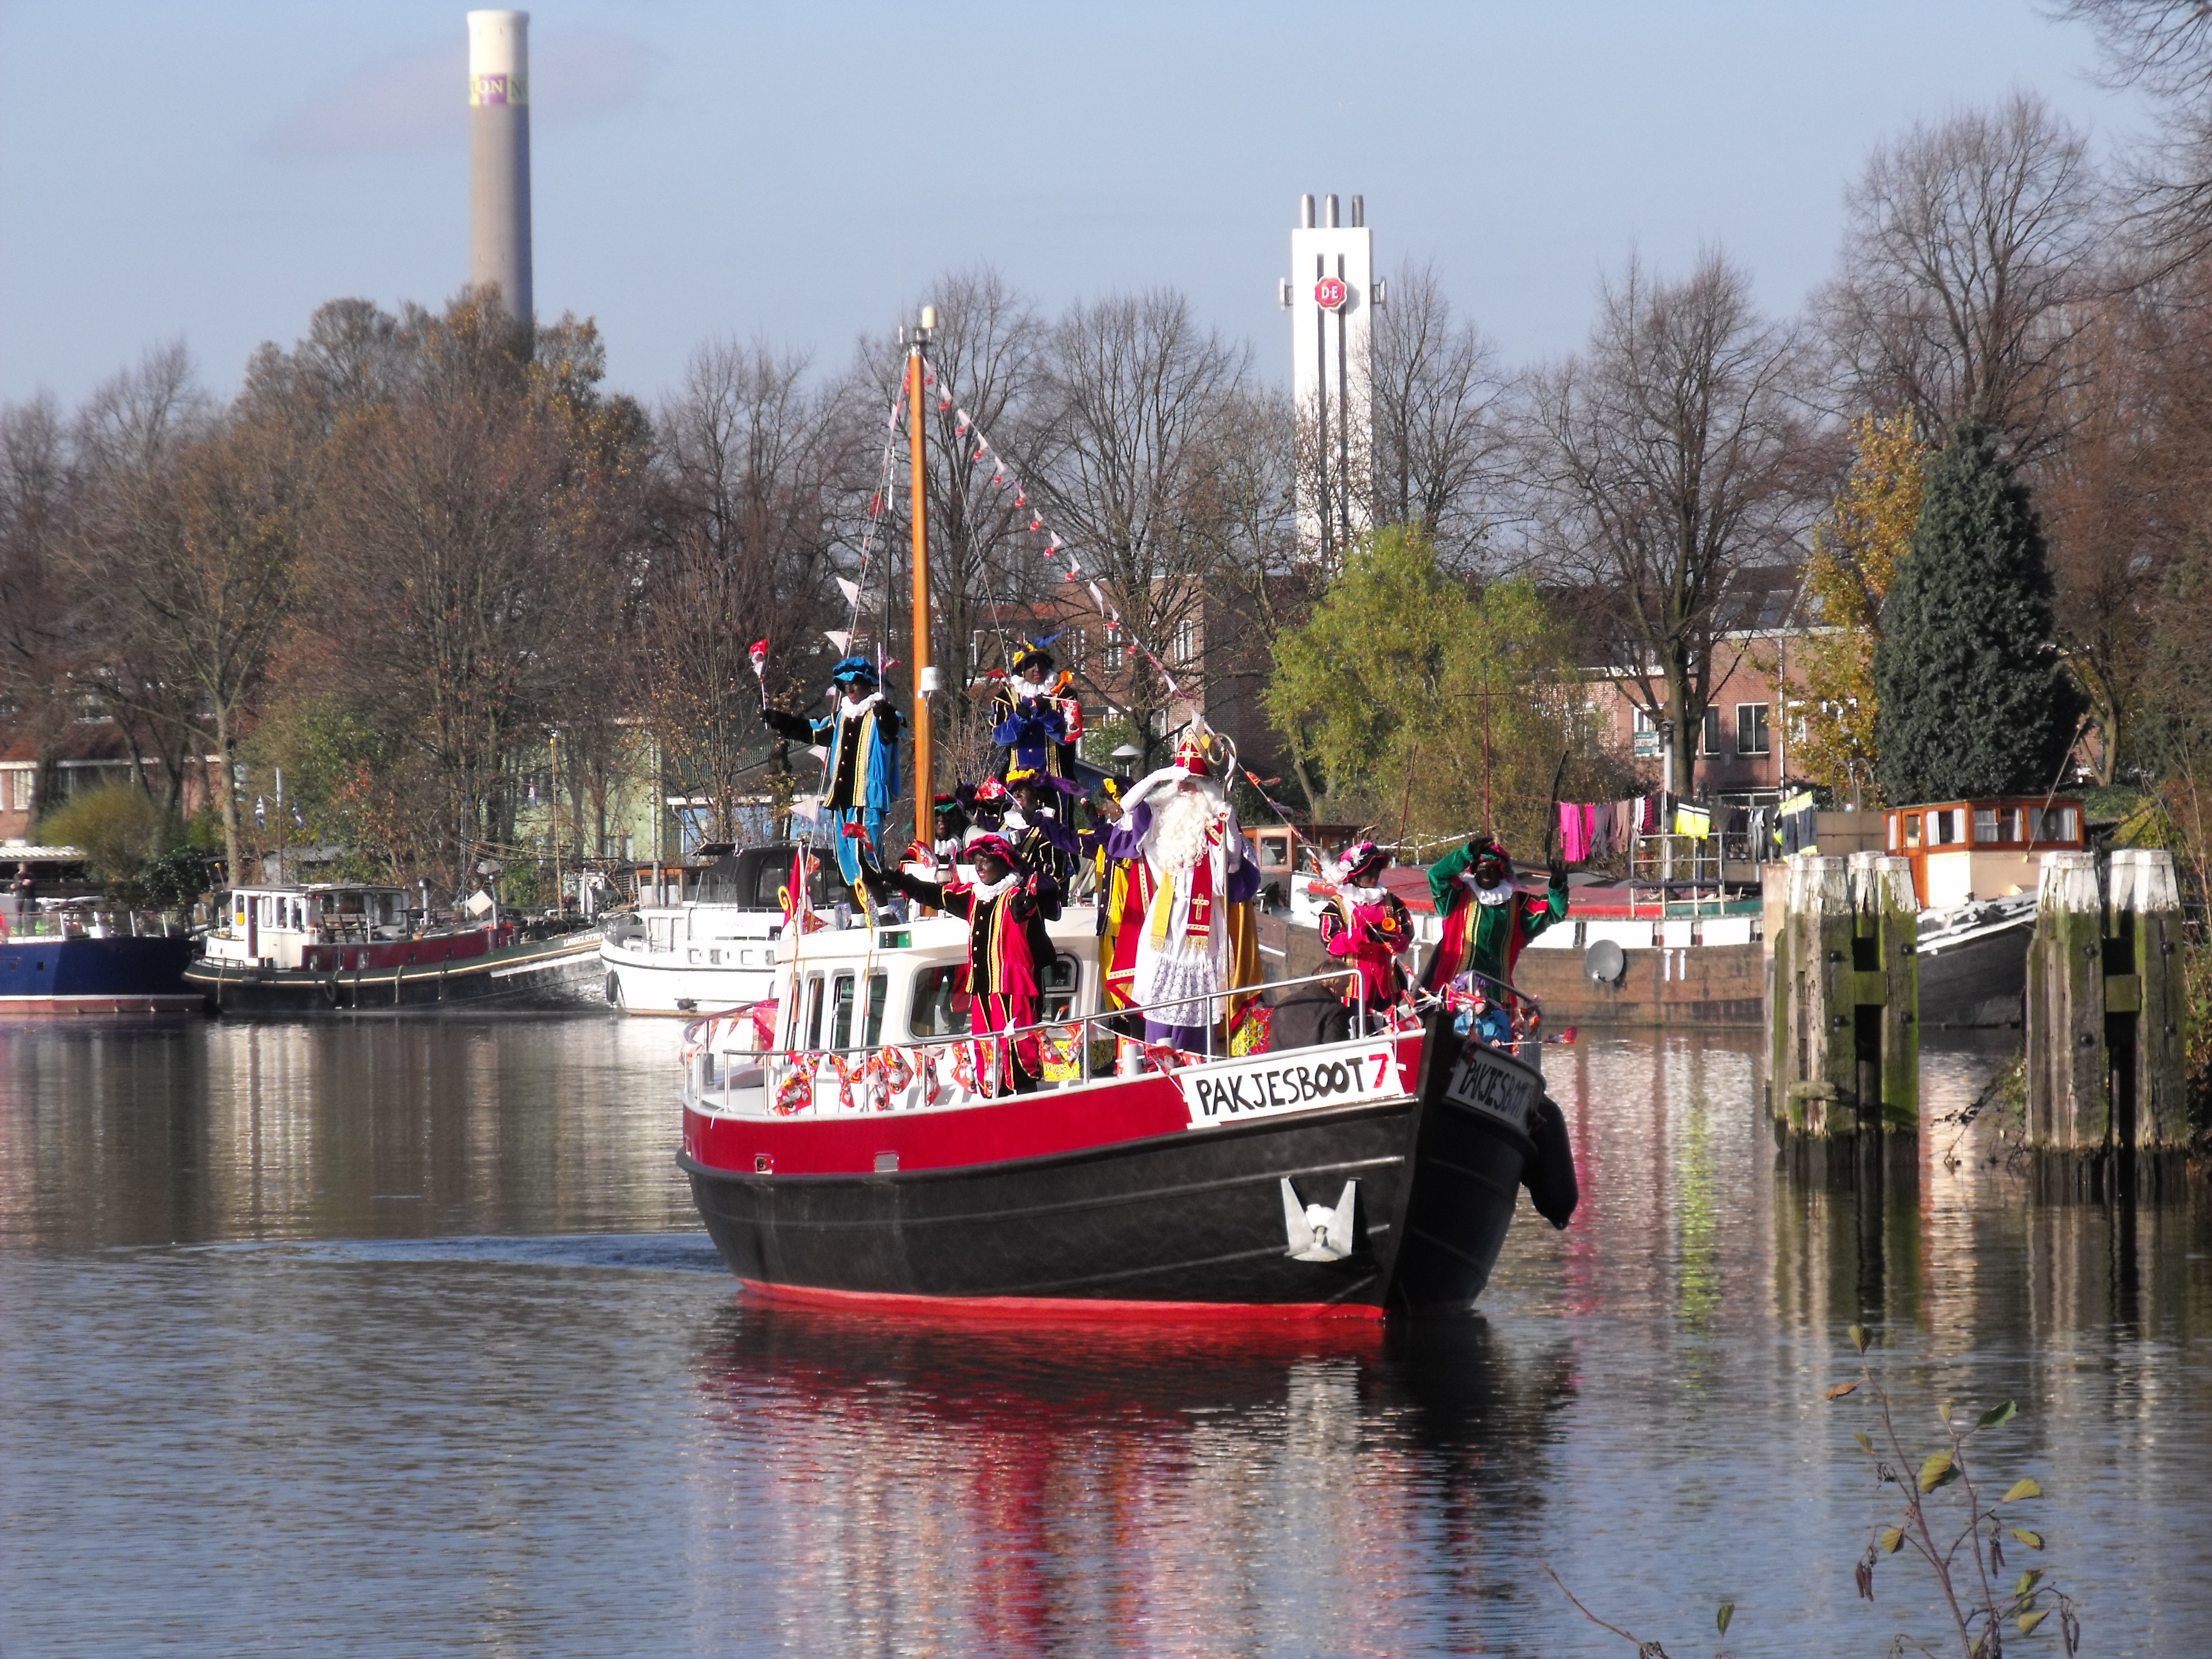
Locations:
{"points": [[273, 926]]}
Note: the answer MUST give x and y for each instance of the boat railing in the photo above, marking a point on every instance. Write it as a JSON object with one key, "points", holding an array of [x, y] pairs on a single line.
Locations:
{"points": [[1071, 1037], [1493, 1011], [1067, 1031]]}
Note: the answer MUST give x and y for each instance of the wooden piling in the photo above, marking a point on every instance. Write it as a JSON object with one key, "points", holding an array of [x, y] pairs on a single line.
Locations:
{"points": [[2104, 1012], [1843, 1003]]}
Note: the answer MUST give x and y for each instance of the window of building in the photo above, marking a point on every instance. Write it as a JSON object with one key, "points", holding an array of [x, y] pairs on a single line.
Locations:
{"points": [[1751, 728], [25, 779], [1709, 739], [1186, 643]]}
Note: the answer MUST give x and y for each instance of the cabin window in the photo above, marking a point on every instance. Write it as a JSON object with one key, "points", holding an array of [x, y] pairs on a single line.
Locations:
{"points": [[2056, 823], [813, 1012], [1946, 828], [935, 1014], [1274, 852], [1057, 986], [1911, 828], [1985, 826], [842, 999], [1896, 829], [1751, 728]]}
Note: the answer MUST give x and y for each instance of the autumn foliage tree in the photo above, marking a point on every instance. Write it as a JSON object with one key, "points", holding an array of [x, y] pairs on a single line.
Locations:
{"points": [[1854, 561]]}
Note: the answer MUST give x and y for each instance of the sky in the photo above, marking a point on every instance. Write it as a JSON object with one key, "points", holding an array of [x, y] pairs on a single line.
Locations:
{"points": [[795, 172]]}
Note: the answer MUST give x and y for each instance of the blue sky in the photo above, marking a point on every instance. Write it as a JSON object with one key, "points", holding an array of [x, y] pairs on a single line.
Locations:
{"points": [[795, 172]]}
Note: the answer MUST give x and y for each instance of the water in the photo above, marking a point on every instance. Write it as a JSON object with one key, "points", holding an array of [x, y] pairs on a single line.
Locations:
{"points": [[400, 1339]]}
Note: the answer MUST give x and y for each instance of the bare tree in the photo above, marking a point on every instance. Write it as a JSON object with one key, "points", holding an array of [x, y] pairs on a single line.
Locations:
{"points": [[193, 524], [1667, 455], [2163, 48], [40, 621], [473, 538], [1968, 243], [742, 507], [1138, 392], [1440, 440]]}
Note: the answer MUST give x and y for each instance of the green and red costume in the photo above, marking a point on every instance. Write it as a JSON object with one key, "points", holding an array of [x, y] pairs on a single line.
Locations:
{"points": [[1485, 938]]}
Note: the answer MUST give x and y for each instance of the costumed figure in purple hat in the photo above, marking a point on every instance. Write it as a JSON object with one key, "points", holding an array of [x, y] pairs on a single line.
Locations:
{"points": [[1487, 923], [1368, 925], [1037, 719], [1178, 821], [861, 772], [1006, 908]]}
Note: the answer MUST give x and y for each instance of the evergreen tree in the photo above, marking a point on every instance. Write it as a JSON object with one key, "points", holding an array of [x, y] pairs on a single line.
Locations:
{"points": [[1973, 700]]}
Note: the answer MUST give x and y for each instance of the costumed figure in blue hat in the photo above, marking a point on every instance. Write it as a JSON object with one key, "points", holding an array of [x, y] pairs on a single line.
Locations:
{"points": [[860, 773], [1035, 718]]}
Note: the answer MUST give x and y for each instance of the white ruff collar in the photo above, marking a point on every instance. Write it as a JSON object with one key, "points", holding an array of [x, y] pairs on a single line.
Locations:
{"points": [[1364, 895], [1501, 894], [1026, 688], [849, 708], [991, 890]]}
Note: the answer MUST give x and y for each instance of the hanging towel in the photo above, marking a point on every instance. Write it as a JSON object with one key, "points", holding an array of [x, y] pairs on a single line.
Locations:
{"points": [[1696, 822], [1800, 823]]}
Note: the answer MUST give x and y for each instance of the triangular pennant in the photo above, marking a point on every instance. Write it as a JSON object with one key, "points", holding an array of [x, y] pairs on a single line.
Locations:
{"points": [[850, 590], [840, 637]]}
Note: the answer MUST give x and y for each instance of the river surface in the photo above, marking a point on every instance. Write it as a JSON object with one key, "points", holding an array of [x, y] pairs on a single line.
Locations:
{"points": [[401, 1338]]}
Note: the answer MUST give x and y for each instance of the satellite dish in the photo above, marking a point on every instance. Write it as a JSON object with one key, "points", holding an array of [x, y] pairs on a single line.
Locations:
{"points": [[1604, 962]]}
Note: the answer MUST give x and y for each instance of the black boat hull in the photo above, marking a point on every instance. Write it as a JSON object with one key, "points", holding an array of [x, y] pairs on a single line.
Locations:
{"points": [[562, 973], [1193, 1221]]}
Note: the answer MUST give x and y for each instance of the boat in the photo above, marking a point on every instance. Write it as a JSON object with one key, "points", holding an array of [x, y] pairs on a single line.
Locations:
{"points": [[80, 956], [714, 949], [850, 1143], [356, 947], [847, 1143]]}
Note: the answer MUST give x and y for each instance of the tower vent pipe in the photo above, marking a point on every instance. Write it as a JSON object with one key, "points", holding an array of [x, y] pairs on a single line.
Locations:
{"points": [[1332, 211], [1358, 212], [1305, 211]]}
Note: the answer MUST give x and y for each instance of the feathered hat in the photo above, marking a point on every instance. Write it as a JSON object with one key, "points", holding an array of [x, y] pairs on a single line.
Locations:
{"points": [[1032, 653], [1361, 861]]}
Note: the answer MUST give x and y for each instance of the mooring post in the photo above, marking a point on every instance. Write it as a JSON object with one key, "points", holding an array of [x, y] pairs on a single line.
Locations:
{"points": [[1843, 1001], [2105, 1006], [1886, 943]]}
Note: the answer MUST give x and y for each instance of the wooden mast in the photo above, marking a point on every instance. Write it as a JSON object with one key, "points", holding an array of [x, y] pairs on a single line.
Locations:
{"points": [[925, 676]]}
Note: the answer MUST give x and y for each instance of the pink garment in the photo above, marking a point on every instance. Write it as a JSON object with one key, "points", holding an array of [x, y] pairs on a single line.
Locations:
{"points": [[1574, 832]]}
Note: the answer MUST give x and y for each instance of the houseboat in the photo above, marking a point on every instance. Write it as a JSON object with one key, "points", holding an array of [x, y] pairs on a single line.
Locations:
{"points": [[346, 947], [713, 944], [80, 957], [1975, 867]]}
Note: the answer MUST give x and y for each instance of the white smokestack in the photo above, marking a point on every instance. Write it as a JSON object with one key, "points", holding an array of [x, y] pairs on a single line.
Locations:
{"points": [[499, 157]]}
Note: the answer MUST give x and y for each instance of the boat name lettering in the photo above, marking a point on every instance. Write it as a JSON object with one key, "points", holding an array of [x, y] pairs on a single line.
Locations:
{"points": [[1484, 1084], [1267, 1086]]}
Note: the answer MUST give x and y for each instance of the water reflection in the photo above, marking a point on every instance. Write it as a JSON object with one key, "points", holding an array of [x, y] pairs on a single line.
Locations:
{"points": [[1256, 1490], [181, 1130], [401, 1337]]}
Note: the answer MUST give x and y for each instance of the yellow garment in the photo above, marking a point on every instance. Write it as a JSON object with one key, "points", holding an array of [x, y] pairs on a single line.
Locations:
{"points": [[1244, 969], [1696, 822]]}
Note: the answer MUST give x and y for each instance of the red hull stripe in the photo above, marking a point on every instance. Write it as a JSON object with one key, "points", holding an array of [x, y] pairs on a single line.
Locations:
{"points": [[1046, 1310]]}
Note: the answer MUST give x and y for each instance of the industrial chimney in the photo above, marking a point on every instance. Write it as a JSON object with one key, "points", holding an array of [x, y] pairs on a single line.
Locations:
{"points": [[499, 157]]}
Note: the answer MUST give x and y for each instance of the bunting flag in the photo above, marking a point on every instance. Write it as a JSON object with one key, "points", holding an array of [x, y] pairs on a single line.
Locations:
{"points": [[1002, 474], [840, 637], [851, 590]]}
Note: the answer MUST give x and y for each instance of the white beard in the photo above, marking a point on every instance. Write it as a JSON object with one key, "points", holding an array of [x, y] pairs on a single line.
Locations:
{"points": [[1180, 825]]}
